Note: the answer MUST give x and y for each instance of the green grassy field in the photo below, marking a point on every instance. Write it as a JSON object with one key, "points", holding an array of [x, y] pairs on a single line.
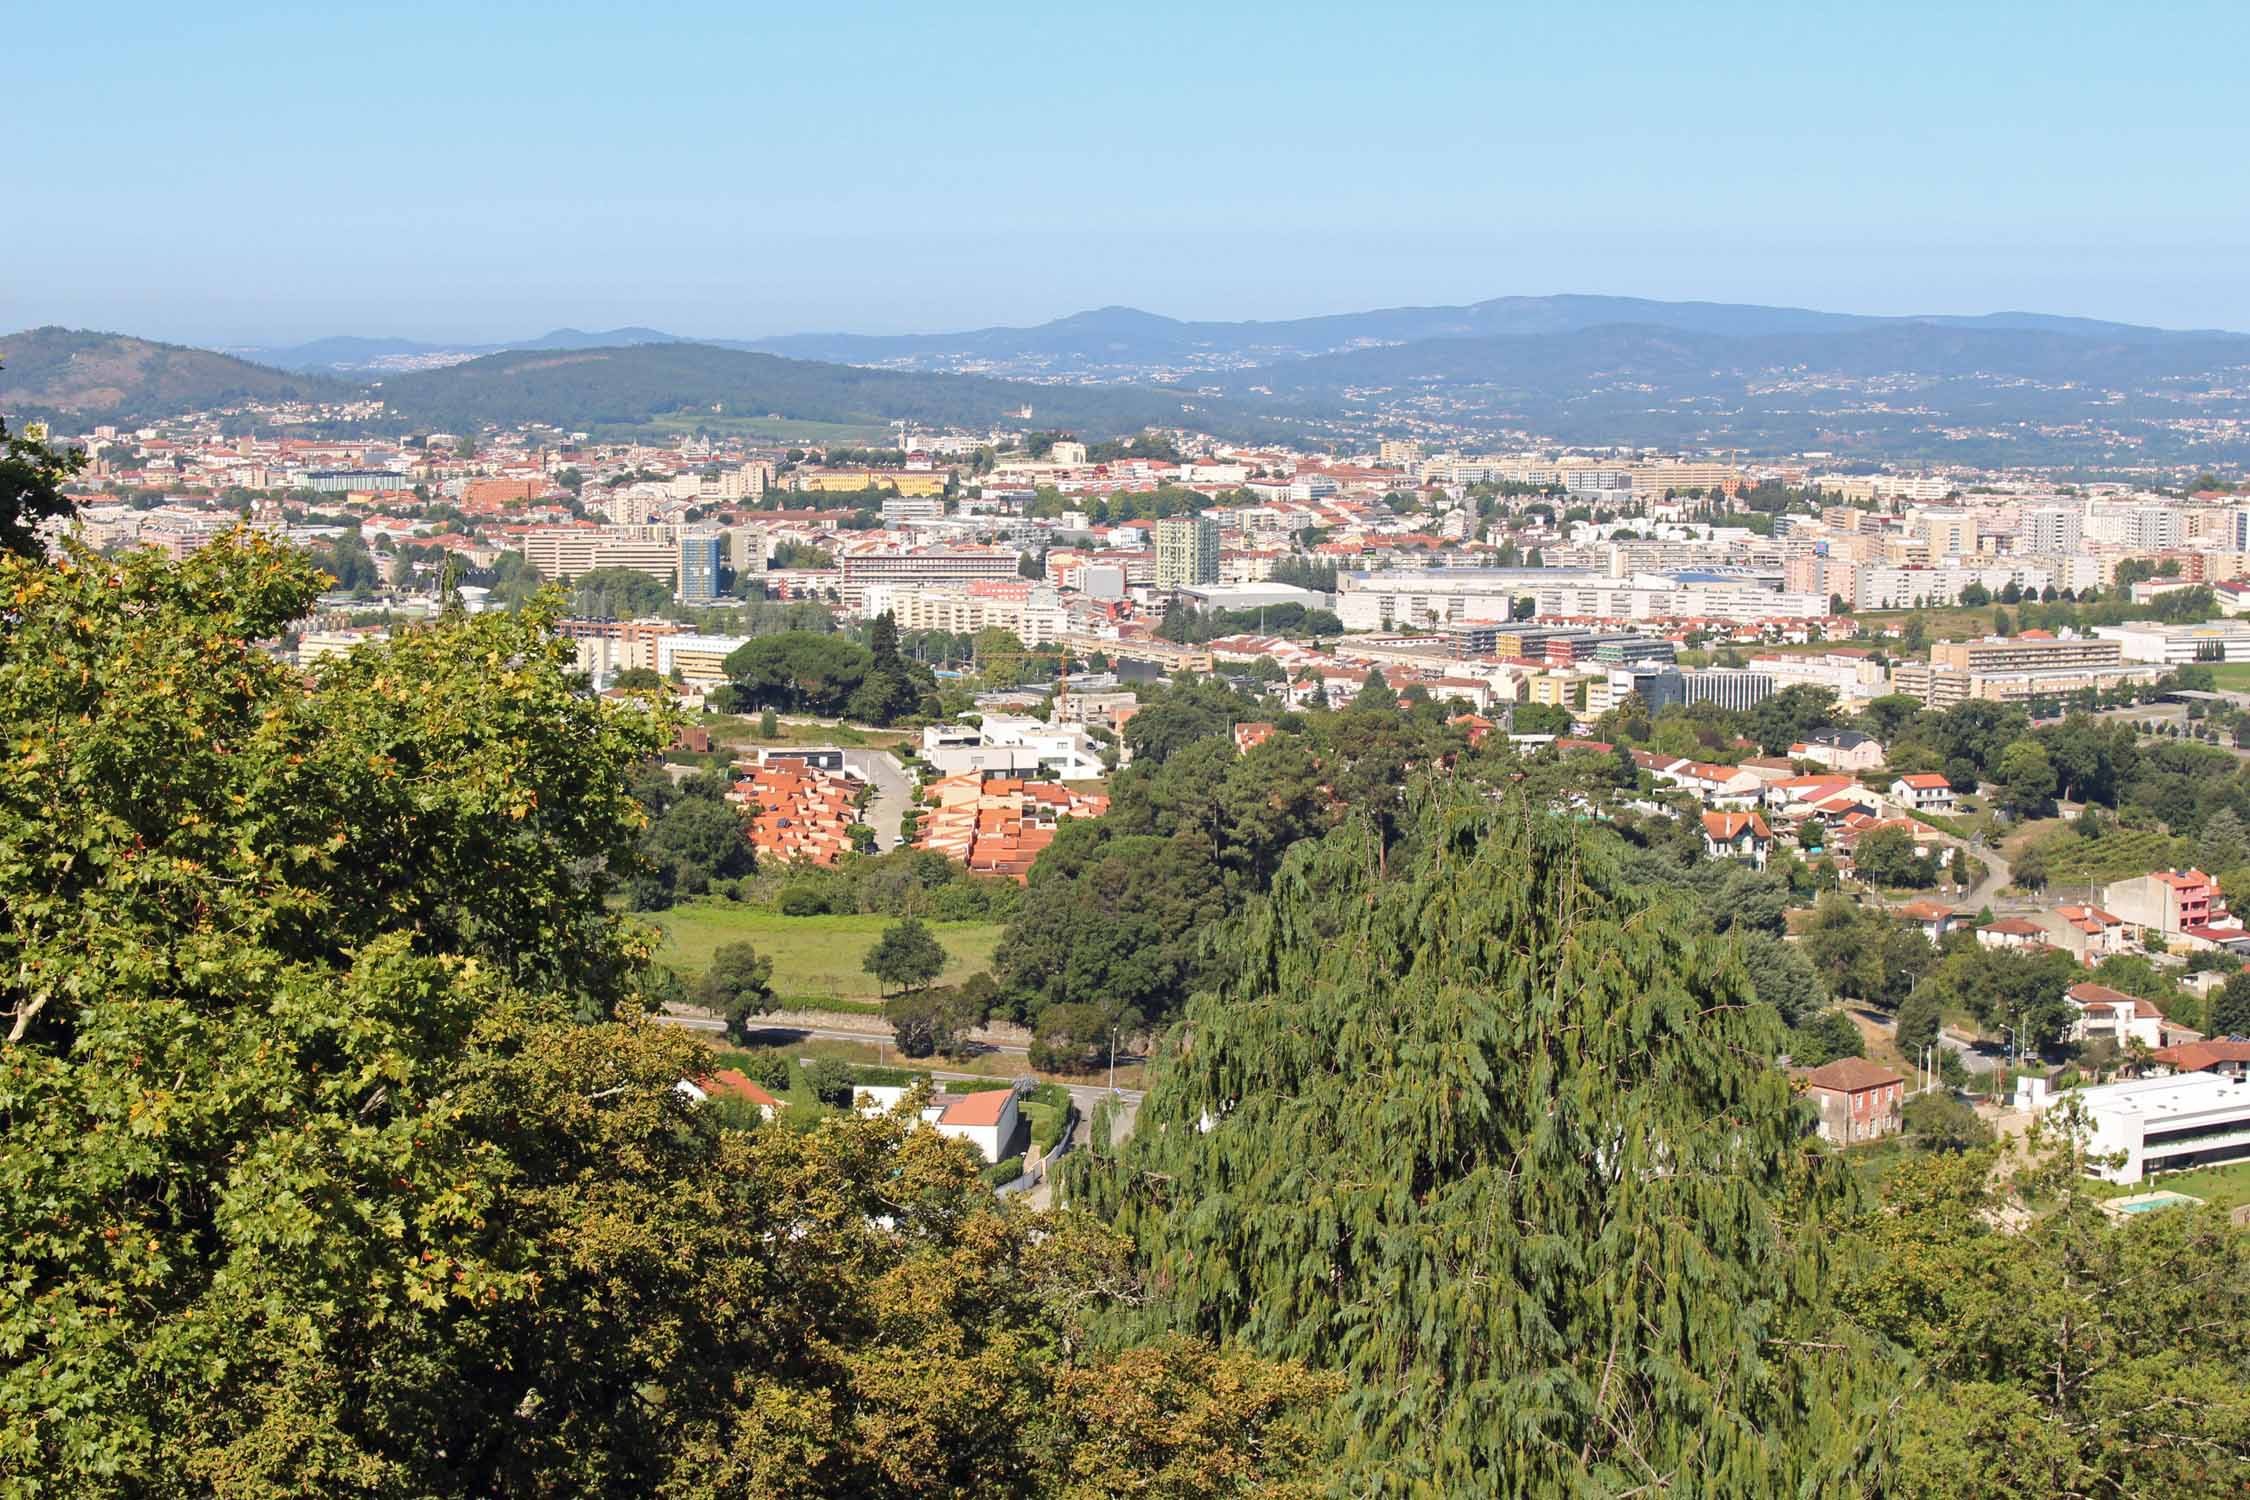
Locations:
{"points": [[814, 958], [1938, 624], [2223, 1187], [741, 731], [2230, 676]]}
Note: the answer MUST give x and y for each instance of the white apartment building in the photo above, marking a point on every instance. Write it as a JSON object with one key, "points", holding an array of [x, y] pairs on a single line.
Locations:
{"points": [[697, 658], [2051, 528], [1902, 588], [565, 552], [1736, 603], [923, 566], [1036, 619]]}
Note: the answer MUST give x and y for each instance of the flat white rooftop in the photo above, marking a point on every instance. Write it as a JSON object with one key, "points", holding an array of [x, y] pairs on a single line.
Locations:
{"points": [[2181, 1095]]}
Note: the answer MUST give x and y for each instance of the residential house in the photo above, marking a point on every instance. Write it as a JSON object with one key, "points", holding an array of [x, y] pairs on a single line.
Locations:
{"points": [[731, 1083], [2113, 1015], [998, 825], [1933, 917], [2087, 933], [1248, 737], [986, 1120], [1923, 792], [1839, 750], [1737, 835], [2166, 901], [2012, 932], [1858, 1100], [2220, 1055]]}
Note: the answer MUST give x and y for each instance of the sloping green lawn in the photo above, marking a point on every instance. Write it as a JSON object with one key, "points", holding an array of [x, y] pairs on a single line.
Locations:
{"points": [[814, 958]]}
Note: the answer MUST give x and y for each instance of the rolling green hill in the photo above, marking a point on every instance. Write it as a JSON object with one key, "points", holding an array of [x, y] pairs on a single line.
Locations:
{"points": [[623, 387], [64, 374]]}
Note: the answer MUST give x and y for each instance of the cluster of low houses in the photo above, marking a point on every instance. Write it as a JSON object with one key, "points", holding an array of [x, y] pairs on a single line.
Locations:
{"points": [[998, 825], [799, 804], [989, 1119]]}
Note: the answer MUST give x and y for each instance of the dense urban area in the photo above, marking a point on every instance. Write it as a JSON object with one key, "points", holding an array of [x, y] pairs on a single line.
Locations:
{"points": [[987, 958]]}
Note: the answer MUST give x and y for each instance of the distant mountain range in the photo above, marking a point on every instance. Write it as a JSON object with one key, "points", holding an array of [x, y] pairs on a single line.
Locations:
{"points": [[2001, 389], [346, 354], [1126, 337], [79, 377]]}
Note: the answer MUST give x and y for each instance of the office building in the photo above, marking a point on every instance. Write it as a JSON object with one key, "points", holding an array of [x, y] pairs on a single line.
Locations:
{"points": [[2176, 645], [1187, 552]]}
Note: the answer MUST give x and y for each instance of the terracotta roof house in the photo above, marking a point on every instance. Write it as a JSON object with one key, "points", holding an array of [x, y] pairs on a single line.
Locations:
{"points": [[1933, 917], [2087, 932], [2012, 932], [2216, 1056], [731, 1083], [1924, 792], [1737, 835], [1858, 1100], [2104, 1013]]}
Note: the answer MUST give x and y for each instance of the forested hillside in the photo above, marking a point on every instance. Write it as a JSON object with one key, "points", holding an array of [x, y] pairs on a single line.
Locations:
{"points": [[108, 377], [626, 386]]}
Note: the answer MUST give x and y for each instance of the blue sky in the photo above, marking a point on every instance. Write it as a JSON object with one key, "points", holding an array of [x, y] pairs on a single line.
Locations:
{"points": [[253, 173]]}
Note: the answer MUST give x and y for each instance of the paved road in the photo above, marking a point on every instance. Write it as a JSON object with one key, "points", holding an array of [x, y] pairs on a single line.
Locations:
{"points": [[894, 792]]}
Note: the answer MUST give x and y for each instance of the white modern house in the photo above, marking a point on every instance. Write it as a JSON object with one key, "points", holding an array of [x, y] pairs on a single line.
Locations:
{"points": [[2166, 1124], [1013, 744], [986, 1119]]}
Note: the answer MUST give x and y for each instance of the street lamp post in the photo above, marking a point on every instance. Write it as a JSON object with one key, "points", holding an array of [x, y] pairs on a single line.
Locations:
{"points": [[1113, 1059]]}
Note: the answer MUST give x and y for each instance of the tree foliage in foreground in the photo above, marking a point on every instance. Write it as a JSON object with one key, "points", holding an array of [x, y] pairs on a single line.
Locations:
{"points": [[1495, 1140], [318, 1180]]}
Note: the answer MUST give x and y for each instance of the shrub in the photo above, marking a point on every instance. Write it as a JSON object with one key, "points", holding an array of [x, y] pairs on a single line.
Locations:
{"points": [[1001, 1173], [803, 899]]}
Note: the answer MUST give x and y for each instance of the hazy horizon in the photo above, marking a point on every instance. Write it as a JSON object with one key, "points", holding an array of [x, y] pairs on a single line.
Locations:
{"points": [[264, 176]]}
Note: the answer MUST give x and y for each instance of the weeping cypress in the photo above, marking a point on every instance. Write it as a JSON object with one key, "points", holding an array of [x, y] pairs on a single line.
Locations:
{"points": [[1494, 1135]]}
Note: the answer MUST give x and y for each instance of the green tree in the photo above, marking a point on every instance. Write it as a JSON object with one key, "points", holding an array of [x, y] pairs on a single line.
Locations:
{"points": [[1072, 1038], [737, 986], [2230, 1006], [1919, 1017], [2224, 844], [2062, 1357], [2026, 778], [696, 841], [1886, 857], [1499, 1068], [32, 476], [800, 670], [905, 957], [937, 1019], [1823, 1038], [619, 594]]}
